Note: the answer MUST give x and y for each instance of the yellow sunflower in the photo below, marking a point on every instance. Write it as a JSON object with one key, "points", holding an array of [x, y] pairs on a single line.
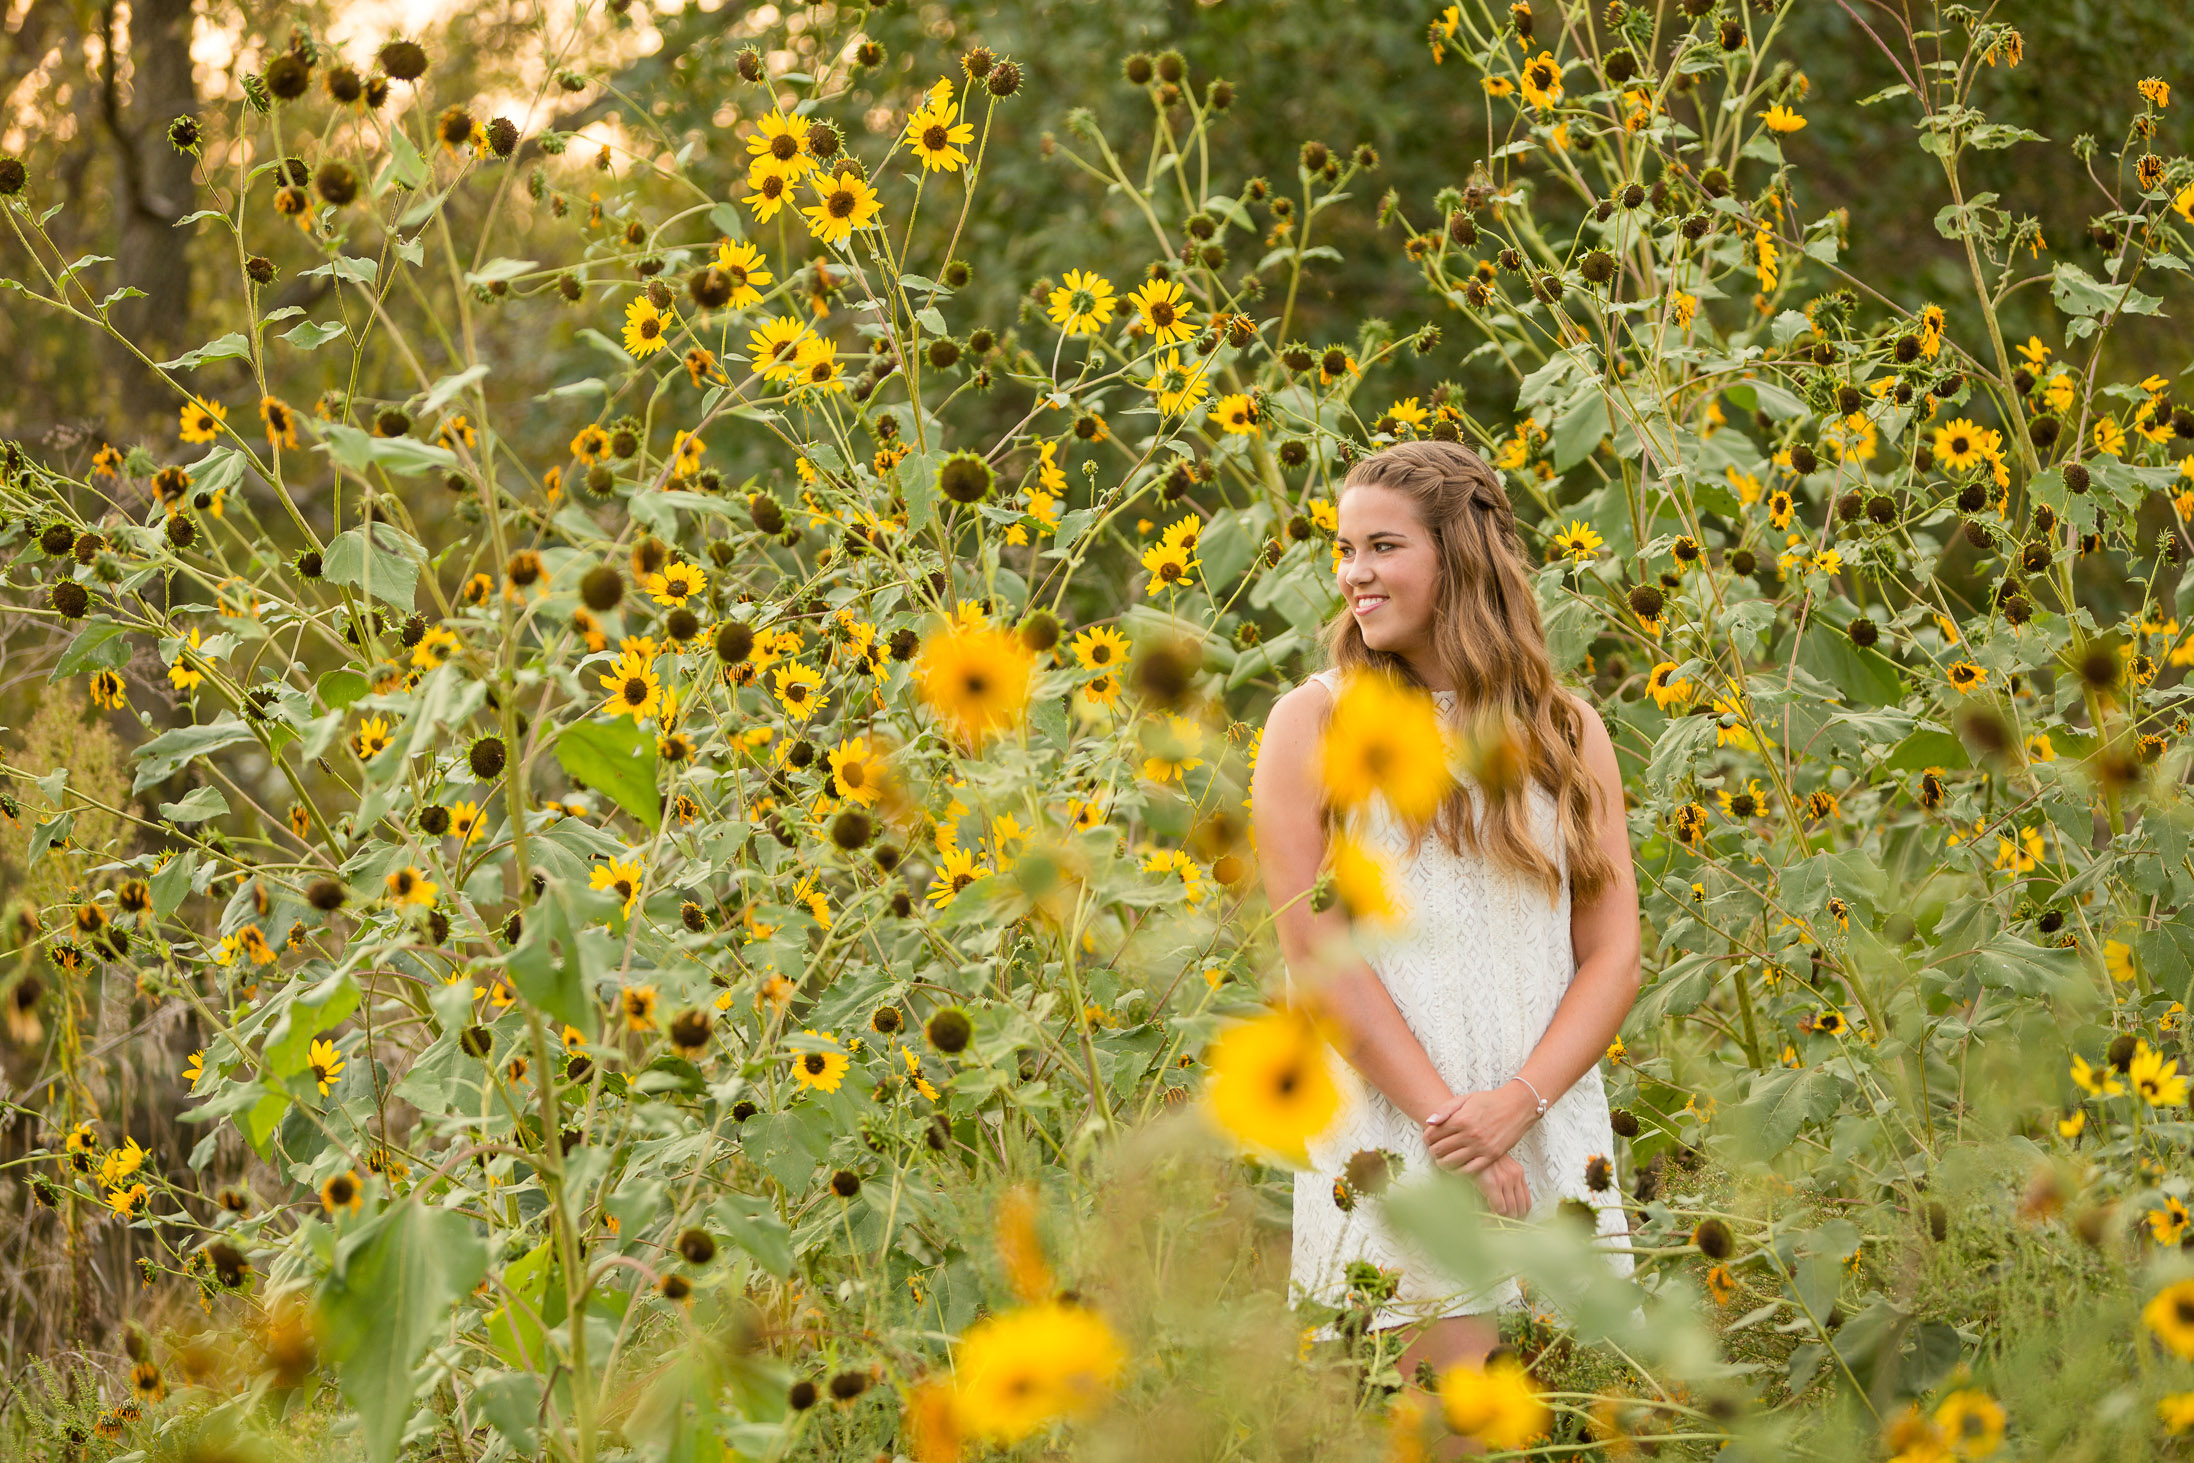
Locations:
{"points": [[977, 680], [1082, 305], [822, 1066], [1171, 565], [591, 445], [408, 886], [202, 419], [842, 205], [1271, 1087], [1162, 312], [817, 365], [2158, 1081], [936, 137], [1100, 648], [1542, 80], [768, 188], [634, 688], [1577, 543], [956, 869], [1385, 739], [748, 271], [325, 1063], [1020, 1371], [773, 347], [371, 738], [800, 690], [1495, 1404], [1178, 387], [2170, 1315], [621, 877], [280, 421], [646, 330], [856, 774], [1236, 415], [677, 583], [1961, 444], [779, 142]]}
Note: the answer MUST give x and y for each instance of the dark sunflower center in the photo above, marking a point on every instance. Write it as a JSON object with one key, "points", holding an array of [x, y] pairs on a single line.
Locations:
{"points": [[1285, 1081], [319, 1073], [784, 147], [814, 1062], [738, 275], [961, 881], [851, 774], [624, 891], [772, 186], [2184, 1309], [934, 137], [649, 329], [1959, 445], [636, 690], [1169, 571], [841, 203], [1100, 654], [1161, 313], [1541, 77], [975, 684], [1378, 759], [796, 692]]}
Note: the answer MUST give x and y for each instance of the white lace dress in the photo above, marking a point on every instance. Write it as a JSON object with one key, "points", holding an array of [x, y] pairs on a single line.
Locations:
{"points": [[1477, 963]]}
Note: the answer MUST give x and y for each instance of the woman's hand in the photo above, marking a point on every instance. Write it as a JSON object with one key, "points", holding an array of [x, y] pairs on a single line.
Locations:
{"points": [[1502, 1181], [1473, 1130]]}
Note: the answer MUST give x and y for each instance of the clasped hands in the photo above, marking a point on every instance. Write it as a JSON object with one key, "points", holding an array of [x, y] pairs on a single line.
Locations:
{"points": [[1472, 1133]]}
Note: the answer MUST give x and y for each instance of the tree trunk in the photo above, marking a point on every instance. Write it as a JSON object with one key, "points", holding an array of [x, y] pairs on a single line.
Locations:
{"points": [[153, 189]]}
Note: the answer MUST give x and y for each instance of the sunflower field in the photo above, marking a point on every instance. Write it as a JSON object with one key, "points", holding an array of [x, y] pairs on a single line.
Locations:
{"points": [[625, 828]]}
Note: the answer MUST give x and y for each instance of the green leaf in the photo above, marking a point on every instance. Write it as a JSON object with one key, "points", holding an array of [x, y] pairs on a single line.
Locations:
{"points": [[172, 883], [617, 759], [309, 1012], [1782, 1100], [338, 689], [395, 558], [160, 758], [1928, 748], [311, 335], [548, 964], [395, 1281], [98, 646], [2010, 963], [201, 804], [499, 269], [2167, 954], [405, 168], [405, 456], [918, 485], [753, 1227], [230, 345], [1866, 677], [1578, 430]]}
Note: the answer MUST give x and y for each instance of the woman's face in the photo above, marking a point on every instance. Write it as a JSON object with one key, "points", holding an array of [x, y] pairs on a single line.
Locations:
{"points": [[1389, 572]]}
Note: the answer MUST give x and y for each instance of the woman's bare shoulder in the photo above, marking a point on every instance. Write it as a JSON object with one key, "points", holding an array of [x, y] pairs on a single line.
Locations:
{"points": [[1304, 708]]}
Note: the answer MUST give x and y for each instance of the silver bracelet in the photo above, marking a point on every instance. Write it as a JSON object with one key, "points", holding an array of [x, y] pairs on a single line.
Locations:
{"points": [[1520, 1077]]}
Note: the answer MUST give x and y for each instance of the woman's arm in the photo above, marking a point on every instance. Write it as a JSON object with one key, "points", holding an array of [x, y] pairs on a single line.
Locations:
{"points": [[1286, 813], [1476, 1128]]}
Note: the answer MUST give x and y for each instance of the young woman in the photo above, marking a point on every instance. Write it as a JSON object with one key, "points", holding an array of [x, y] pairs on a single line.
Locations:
{"points": [[1477, 1019]]}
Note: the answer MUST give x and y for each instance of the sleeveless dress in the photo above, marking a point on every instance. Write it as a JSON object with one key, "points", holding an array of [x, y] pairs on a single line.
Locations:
{"points": [[1477, 962]]}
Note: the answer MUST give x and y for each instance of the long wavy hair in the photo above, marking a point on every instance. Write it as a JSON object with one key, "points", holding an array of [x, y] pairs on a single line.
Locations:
{"points": [[1492, 648]]}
